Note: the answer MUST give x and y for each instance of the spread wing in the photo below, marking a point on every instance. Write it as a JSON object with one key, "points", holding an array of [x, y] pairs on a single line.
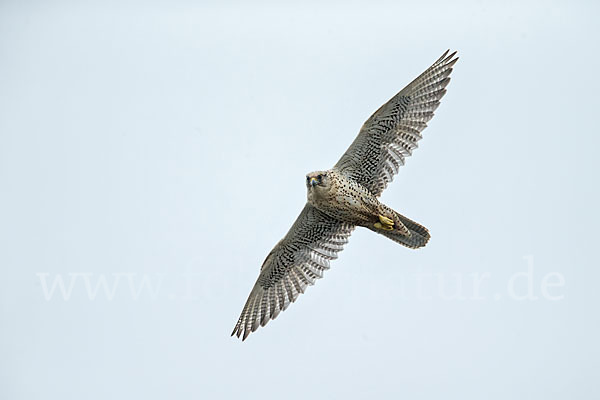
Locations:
{"points": [[392, 132], [296, 262]]}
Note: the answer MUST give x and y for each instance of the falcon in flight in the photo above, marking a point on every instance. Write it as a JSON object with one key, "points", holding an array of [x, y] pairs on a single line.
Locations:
{"points": [[345, 196]]}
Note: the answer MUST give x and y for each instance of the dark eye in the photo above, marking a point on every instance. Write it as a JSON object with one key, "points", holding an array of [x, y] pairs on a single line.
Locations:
{"points": [[319, 177]]}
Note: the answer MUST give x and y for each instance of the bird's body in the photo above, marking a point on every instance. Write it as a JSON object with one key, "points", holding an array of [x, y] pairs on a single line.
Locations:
{"points": [[343, 199], [346, 200], [346, 196]]}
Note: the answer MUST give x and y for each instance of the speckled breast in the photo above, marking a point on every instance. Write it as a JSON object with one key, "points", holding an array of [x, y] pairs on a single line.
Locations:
{"points": [[348, 201]]}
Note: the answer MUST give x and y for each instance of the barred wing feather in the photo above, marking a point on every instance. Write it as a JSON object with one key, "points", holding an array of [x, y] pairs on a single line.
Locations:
{"points": [[392, 132], [295, 263]]}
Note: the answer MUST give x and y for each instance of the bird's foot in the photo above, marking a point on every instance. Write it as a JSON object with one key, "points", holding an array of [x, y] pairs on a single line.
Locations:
{"points": [[384, 223]]}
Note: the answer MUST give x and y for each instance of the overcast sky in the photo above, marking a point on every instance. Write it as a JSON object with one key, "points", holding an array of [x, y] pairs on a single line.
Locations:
{"points": [[152, 154]]}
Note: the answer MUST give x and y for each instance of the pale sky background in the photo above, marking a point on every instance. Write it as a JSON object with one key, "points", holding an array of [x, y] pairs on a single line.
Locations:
{"points": [[161, 148]]}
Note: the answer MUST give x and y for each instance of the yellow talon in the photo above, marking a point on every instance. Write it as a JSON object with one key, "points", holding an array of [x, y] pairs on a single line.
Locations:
{"points": [[385, 223], [386, 220]]}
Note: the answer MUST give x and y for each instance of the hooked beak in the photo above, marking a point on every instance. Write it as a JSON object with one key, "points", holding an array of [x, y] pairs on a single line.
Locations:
{"points": [[313, 181]]}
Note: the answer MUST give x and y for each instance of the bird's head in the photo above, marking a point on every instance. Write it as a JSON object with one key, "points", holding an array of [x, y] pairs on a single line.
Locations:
{"points": [[317, 180]]}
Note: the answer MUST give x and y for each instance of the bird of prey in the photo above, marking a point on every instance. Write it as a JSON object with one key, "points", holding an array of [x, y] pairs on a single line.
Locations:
{"points": [[345, 197]]}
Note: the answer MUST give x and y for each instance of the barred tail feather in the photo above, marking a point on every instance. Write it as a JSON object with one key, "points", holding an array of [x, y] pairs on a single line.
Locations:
{"points": [[419, 235]]}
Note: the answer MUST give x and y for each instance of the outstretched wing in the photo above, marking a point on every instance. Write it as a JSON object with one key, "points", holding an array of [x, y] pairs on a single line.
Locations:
{"points": [[392, 132], [295, 263]]}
